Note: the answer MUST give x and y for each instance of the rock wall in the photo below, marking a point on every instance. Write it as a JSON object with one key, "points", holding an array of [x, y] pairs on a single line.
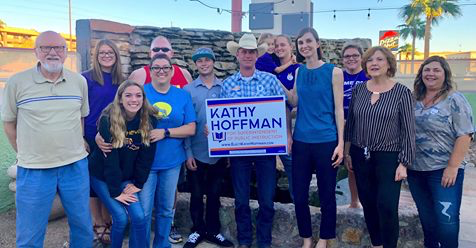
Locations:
{"points": [[134, 45], [351, 228]]}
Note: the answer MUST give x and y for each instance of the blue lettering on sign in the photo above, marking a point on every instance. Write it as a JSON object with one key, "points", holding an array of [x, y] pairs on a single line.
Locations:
{"points": [[232, 112]]}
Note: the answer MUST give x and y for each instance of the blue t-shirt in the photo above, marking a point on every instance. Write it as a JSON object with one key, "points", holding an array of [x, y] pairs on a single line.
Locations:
{"points": [[315, 120], [175, 109], [350, 81], [267, 62], [99, 97]]}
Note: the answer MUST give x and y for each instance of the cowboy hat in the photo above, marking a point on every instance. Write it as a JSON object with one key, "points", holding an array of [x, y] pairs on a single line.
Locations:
{"points": [[247, 41]]}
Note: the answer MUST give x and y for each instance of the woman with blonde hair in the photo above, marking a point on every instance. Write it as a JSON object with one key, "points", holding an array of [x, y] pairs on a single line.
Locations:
{"points": [[117, 176], [284, 51], [444, 128], [103, 80]]}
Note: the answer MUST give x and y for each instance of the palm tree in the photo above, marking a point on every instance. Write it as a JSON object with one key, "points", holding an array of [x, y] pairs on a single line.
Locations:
{"points": [[405, 49], [415, 29], [433, 11]]}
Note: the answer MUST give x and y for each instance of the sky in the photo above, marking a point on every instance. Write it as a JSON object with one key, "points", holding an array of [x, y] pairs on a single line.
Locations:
{"points": [[450, 35]]}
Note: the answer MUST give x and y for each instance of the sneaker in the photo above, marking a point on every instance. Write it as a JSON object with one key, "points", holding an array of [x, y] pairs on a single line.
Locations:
{"points": [[193, 240], [174, 236], [218, 239]]}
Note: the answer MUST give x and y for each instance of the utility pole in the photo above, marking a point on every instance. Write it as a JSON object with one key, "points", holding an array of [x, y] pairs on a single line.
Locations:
{"points": [[236, 15], [70, 32]]}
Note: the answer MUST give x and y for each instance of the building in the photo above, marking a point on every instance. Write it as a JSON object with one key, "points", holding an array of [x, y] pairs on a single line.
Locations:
{"points": [[25, 38], [280, 17]]}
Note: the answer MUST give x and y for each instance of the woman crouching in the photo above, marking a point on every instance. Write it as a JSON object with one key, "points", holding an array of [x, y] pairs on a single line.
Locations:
{"points": [[118, 175]]}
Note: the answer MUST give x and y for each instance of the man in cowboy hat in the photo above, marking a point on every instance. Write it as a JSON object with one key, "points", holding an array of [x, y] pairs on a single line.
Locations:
{"points": [[249, 82]]}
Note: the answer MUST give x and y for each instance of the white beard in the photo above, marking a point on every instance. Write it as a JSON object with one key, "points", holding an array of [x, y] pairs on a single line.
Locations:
{"points": [[53, 67]]}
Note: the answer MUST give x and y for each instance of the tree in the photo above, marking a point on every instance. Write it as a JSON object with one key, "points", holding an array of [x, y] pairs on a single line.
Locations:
{"points": [[406, 49], [433, 11], [415, 29]]}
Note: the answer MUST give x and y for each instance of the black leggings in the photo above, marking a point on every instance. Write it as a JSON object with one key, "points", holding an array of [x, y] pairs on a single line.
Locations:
{"points": [[378, 193]]}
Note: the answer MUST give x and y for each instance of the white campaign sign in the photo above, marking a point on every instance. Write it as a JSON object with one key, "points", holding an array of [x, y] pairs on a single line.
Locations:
{"points": [[246, 126]]}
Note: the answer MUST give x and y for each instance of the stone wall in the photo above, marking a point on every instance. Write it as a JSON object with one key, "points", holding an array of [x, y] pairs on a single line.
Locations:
{"points": [[351, 228], [134, 45]]}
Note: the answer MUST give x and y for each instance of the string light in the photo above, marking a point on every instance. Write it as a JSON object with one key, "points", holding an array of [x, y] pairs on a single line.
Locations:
{"points": [[220, 10]]}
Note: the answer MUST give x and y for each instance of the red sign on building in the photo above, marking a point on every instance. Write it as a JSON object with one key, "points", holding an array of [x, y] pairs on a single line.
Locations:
{"points": [[389, 39]]}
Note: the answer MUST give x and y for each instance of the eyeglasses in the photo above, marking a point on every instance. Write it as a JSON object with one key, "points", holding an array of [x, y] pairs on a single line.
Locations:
{"points": [[158, 49], [354, 56], [47, 49], [109, 54], [158, 68]]}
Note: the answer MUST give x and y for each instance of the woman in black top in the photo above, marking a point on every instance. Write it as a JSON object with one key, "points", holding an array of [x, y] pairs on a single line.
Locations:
{"points": [[380, 143], [118, 175]]}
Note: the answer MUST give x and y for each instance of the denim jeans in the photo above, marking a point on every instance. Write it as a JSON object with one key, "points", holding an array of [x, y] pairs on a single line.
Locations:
{"points": [[307, 158], [206, 180], [159, 193], [288, 169], [266, 178], [120, 215], [438, 207], [36, 190]]}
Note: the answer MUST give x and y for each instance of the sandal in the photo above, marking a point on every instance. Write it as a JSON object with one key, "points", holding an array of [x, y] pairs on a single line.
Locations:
{"points": [[106, 234], [96, 230], [102, 233]]}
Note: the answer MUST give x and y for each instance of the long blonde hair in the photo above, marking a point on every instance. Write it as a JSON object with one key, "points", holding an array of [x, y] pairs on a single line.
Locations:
{"points": [[117, 117], [116, 71]]}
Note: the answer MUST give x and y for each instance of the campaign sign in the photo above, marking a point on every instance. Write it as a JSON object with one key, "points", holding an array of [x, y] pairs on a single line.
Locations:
{"points": [[246, 126]]}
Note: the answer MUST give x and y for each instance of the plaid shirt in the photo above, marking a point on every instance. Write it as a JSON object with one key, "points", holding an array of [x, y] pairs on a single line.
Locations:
{"points": [[261, 84]]}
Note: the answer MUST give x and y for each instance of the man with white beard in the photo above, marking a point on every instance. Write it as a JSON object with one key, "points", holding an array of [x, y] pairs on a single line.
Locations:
{"points": [[43, 110]]}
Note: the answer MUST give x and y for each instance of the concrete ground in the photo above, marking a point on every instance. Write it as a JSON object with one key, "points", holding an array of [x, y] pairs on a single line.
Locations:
{"points": [[57, 233]]}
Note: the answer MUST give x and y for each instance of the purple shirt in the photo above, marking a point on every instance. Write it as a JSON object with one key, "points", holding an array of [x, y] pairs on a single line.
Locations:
{"points": [[350, 81], [287, 76], [99, 97], [267, 62]]}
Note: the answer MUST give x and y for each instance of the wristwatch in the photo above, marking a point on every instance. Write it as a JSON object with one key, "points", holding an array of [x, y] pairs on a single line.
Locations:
{"points": [[167, 133]]}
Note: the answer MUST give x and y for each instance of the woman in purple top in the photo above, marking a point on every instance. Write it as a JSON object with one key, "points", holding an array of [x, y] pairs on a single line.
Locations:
{"points": [[269, 62], [284, 51], [103, 80], [353, 75]]}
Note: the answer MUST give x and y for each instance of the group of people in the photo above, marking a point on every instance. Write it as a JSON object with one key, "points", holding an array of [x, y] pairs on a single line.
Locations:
{"points": [[139, 133]]}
